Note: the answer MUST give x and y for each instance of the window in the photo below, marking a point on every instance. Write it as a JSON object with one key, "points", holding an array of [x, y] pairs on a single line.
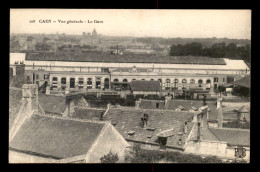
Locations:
{"points": [[215, 79], [176, 81], [208, 81], [63, 83], [133, 79], [160, 80], [89, 83], [115, 80], [230, 79], [223, 79], [46, 76], [105, 70], [200, 82], [184, 81], [208, 84], [37, 76], [192, 81], [72, 82], [106, 83], [124, 80], [54, 82], [98, 82], [143, 79], [81, 82], [162, 142], [167, 84], [152, 79]]}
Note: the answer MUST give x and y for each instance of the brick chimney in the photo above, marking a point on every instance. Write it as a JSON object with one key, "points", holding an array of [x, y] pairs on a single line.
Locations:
{"points": [[30, 94], [185, 127]]}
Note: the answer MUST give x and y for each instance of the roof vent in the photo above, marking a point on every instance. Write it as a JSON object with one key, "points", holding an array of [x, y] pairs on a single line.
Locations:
{"points": [[180, 133]]}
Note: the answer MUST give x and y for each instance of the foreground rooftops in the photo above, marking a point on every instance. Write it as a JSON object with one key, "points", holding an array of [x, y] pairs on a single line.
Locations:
{"points": [[234, 137], [167, 123], [56, 137]]}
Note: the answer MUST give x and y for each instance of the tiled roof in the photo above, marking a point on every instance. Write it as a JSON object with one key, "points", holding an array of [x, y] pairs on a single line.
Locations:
{"points": [[90, 114], [15, 96], [130, 120], [145, 86], [149, 104], [234, 137], [126, 58], [244, 82], [55, 136], [52, 103], [186, 104]]}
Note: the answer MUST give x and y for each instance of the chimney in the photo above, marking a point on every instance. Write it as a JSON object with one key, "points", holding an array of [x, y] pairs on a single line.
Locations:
{"points": [[220, 118], [185, 128], [180, 142], [219, 102], [137, 103], [199, 132], [145, 120], [30, 93], [101, 115]]}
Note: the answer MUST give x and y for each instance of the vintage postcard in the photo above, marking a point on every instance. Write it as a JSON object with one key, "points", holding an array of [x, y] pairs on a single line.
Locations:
{"points": [[129, 86]]}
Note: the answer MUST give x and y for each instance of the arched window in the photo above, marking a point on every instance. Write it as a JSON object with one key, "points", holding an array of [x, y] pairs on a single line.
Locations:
{"points": [[192, 81], [115, 80], [143, 79], [98, 83], [160, 80], [176, 81], [208, 85], [124, 80], [184, 81], [133, 79], [200, 81], [152, 79], [167, 84], [106, 83]]}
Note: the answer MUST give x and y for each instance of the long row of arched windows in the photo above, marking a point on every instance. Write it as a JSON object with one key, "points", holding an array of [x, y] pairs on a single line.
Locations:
{"points": [[168, 81]]}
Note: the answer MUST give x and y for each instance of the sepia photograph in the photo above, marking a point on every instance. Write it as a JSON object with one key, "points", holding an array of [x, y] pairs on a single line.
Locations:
{"points": [[113, 86]]}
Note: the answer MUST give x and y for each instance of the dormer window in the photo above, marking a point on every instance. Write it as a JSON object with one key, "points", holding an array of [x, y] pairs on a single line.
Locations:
{"points": [[162, 142]]}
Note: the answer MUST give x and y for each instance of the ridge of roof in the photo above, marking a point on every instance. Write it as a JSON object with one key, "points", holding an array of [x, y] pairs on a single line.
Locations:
{"points": [[72, 119]]}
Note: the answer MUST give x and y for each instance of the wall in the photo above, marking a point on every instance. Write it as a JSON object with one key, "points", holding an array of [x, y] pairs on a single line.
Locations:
{"points": [[215, 148], [110, 139], [235, 104]]}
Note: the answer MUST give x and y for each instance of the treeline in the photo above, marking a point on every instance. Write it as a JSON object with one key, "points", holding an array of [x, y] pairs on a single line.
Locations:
{"points": [[217, 50]]}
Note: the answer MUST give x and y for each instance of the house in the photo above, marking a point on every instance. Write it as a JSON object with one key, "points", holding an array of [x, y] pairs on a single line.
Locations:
{"points": [[36, 136], [153, 129]]}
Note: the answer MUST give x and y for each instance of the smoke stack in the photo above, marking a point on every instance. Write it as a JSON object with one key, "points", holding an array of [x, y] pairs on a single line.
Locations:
{"points": [[185, 128], [199, 132]]}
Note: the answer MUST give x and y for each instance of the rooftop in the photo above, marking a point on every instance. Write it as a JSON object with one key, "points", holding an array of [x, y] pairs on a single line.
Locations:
{"points": [[52, 103], [244, 82], [88, 113], [126, 58], [56, 137], [234, 137], [126, 120]]}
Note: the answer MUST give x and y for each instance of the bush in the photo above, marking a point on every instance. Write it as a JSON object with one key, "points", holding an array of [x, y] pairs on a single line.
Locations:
{"points": [[109, 158]]}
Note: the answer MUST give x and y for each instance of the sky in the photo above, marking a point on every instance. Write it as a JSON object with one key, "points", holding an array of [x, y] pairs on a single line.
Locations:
{"points": [[234, 24]]}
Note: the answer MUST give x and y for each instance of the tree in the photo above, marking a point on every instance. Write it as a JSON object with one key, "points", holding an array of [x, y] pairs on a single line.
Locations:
{"points": [[109, 158]]}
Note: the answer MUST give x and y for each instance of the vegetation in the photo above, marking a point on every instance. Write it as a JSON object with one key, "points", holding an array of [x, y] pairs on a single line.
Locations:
{"points": [[109, 158], [139, 155], [217, 50]]}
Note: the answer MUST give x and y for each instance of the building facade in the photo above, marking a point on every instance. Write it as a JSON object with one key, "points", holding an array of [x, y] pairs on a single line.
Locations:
{"points": [[105, 72]]}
